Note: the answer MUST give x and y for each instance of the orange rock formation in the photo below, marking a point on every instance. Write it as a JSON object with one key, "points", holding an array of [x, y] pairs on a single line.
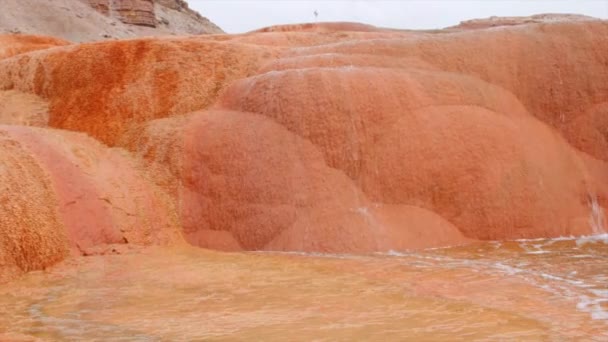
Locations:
{"points": [[333, 138], [64, 191], [11, 45], [512, 21], [129, 82]]}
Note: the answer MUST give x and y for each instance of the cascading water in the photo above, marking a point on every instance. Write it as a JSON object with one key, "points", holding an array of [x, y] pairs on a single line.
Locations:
{"points": [[596, 216]]}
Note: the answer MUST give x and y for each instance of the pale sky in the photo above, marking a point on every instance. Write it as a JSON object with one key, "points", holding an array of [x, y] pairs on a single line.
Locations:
{"points": [[241, 16]]}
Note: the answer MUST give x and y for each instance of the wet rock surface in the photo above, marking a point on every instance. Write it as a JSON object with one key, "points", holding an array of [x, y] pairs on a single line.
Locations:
{"points": [[339, 138]]}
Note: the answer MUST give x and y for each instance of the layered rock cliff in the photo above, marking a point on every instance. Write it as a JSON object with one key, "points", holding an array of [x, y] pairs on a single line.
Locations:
{"points": [[332, 138], [169, 14], [133, 12], [90, 20]]}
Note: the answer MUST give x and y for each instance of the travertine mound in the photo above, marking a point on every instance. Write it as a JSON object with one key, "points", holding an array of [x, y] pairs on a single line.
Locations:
{"points": [[321, 27], [65, 192], [397, 133], [337, 60], [17, 108], [14, 44], [512, 21], [128, 82], [326, 137], [244, 181], [529, 61]]}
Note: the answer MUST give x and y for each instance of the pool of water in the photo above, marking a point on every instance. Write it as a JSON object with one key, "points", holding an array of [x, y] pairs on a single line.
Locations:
{"points": [[542, 289]]}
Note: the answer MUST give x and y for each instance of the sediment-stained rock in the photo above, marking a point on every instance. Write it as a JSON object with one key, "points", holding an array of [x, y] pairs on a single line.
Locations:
{"points": [[32, 235], [244, 181], [18, 108], [63, 192], [14, 44], [513, 21], [129, 82], [557, 70], [446, 142], [321, 27], [333, 137]]}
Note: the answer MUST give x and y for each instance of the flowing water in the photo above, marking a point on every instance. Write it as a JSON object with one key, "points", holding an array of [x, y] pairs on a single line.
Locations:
{"points": [[547, 290]]}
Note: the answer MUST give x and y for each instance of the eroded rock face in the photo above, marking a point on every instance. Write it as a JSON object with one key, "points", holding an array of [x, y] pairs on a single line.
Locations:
{"points": [[337, 138], [178, 5], [102, 6], [133, 12], [155, 13], [98, 20], [64, 192]]}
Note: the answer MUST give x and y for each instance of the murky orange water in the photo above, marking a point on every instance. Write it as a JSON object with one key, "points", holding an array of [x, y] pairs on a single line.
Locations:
{"points": [[522, 290]]}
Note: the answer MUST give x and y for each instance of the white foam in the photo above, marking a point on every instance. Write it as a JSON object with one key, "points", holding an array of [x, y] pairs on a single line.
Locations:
{"points": [[580, 256], [601, 293], [580, 240], [559, 238], [393, 253], [596, 216], [508, 269], [589, 298], [538, 252], [600, 238], [593, 307]]}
